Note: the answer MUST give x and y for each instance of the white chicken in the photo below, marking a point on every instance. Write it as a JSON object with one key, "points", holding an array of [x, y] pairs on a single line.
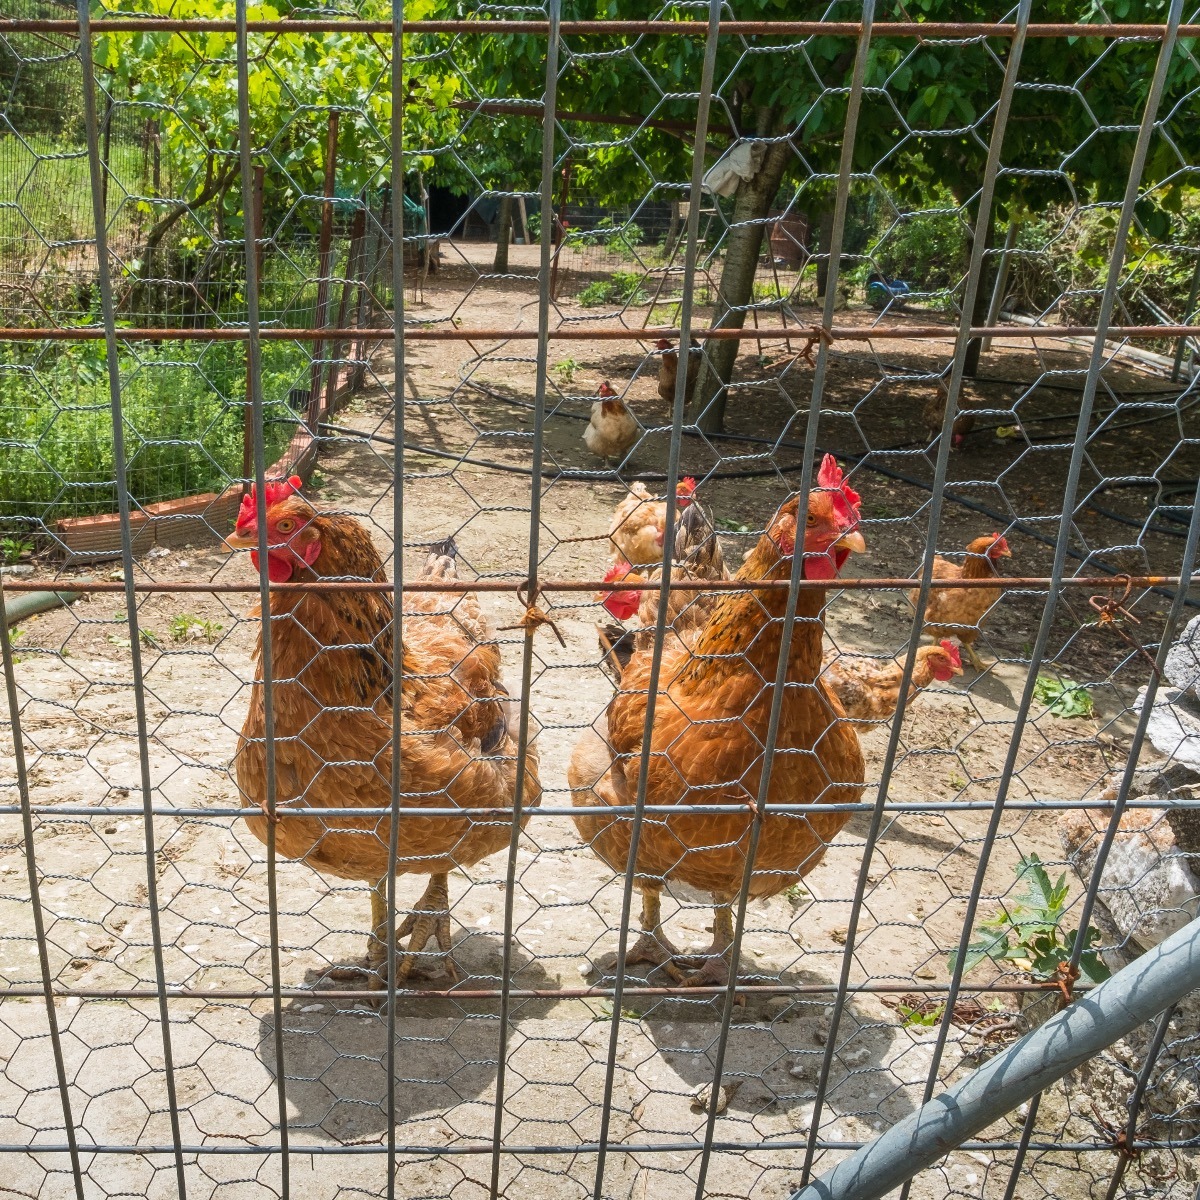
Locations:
{"points": [[613, 429]]}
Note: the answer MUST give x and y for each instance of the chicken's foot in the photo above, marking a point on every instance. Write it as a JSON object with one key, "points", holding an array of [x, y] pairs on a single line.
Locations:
{"points": [[430, 919], [714, 969], [652, 945], [976, 662]]}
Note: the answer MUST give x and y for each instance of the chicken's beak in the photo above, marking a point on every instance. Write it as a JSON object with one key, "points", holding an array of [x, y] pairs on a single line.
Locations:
{"points": [[241, 541], [851, 541]]}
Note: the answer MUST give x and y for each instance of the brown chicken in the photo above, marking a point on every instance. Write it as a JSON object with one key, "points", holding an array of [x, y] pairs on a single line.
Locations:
{"points": [[331, 656], [958, 612], [639, 524], [869, 688], [934, 413], [668, 369], [710, 721]]}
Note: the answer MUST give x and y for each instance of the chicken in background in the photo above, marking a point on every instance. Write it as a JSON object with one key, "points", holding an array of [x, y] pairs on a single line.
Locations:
{"points": [[331, 657], [869, 688], [710, 723], [613, 430], [697, 556], [934, 413], [668, 369], [957, 612], [639, 524]]}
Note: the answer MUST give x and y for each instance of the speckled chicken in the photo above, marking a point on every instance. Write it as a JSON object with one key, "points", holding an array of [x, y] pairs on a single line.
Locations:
{"points": [[958, 612], [333, 693], [697, 556], [639, 524], [709, 724], [869, 688]]}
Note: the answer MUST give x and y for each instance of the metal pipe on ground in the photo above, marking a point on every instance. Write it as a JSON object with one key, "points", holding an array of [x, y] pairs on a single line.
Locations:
{"points": [[1135, 995]]}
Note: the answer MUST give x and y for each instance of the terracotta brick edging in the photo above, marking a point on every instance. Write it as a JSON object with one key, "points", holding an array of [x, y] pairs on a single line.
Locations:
{"points": [[206, 517]]}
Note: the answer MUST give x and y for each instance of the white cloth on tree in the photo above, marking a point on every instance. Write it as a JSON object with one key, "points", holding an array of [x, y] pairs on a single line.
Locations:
{"points": [[740, 162]]}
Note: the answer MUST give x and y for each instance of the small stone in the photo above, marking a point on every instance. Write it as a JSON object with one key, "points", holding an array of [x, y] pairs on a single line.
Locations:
{"points": [[803, 1068], [702, 1096], [926, 972], [311, 1008], [856, 1058]]}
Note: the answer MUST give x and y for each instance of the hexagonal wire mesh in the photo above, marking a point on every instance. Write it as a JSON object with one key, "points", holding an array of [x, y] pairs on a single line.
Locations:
{"points": [[200, 293]]}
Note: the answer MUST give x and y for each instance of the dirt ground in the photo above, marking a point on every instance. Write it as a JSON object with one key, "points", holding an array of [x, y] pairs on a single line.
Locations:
{"points": [[74, 685]]}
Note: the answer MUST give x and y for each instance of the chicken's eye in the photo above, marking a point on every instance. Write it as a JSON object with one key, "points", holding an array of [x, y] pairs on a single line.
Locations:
{"points": [[812, 520], [286, 525]]}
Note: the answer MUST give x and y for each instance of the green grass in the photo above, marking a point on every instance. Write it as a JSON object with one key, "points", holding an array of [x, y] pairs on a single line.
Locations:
{"points": [[182, 405], [49, 183]]}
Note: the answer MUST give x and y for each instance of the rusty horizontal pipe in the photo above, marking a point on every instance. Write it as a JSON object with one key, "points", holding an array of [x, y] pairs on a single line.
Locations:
{"points": [[577, 993], [575, 333], [847, 29], [894, 583]]}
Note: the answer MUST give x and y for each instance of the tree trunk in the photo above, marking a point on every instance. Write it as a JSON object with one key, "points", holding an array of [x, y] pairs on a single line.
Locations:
{"points": [[736, 289], [983, 296], [503, 230], [824, 241]]}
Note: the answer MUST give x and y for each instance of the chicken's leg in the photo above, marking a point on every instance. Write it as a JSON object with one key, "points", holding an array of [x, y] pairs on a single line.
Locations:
{"points": [[430, 919], [977, 662], [652, 945], [715, 969]]}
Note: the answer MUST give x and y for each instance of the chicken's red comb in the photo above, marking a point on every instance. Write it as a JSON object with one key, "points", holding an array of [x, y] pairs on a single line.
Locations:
{"points": [[605, 389], [617, 571], [952, 652], [686, 487], [274, 490], [662, 344], [830, 476]]}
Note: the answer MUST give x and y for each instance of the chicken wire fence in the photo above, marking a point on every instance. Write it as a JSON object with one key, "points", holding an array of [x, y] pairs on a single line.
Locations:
{"points": [[958, 258]]}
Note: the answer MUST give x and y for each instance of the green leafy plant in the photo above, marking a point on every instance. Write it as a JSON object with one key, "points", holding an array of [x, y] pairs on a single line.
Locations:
{"points": [[187, 628], [1028, 932], [566, 369], [1063, 697], [921, 1016], [625, 287], [12, 548]]}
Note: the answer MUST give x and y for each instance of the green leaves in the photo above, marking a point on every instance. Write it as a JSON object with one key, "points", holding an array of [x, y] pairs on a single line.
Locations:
{"points": [[1027, 932], [1063, 697]]}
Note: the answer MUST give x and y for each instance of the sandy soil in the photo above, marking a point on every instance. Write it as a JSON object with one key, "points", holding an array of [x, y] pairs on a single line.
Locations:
{"points": [[80, 737]]}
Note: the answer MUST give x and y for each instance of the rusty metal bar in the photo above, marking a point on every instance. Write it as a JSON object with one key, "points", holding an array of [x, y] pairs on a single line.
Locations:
{"points": [[568, 993], [1024, 583], [579, 333], [847, 29]]}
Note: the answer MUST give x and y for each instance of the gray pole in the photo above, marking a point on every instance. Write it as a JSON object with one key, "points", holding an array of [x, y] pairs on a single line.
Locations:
{"points": [[1094, 1021]]}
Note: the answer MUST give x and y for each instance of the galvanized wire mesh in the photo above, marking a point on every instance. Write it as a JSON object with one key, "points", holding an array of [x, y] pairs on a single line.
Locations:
{"points": [[962, 258]]}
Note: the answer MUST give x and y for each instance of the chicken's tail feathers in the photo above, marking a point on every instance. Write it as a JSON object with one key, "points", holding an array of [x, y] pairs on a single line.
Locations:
{"points": [[616, 648], [441, 563]]}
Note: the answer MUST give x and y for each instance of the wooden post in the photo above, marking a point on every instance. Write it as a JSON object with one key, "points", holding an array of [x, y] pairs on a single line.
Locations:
{"points": [[324, 268], [352, 254], [558, 229]]}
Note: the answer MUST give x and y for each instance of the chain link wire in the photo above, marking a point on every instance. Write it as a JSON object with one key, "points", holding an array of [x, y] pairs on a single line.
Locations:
{"points": [[614, 289]]}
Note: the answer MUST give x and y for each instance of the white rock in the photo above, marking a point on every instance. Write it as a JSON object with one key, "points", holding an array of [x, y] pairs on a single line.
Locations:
{"points": [[1149, 886], [1174, 725]]}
